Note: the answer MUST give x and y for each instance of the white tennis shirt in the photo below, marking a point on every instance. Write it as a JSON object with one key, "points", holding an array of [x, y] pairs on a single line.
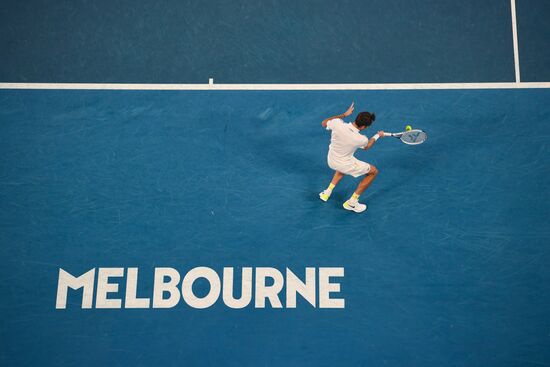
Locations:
{"points": [[344, 141]]}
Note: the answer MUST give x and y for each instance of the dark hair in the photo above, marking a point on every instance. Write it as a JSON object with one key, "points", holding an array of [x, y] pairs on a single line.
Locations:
{"points": [[365, 119]]}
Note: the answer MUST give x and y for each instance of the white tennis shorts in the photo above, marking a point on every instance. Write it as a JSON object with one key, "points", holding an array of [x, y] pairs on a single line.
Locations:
{"points": [[353, 166]]}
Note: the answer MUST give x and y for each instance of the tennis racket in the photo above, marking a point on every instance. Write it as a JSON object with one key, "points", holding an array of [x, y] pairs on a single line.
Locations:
{"points": [[411, 137]]}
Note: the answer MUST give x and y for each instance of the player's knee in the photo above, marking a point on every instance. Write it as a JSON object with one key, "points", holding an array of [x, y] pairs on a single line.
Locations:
{"points": [[373, 170]]}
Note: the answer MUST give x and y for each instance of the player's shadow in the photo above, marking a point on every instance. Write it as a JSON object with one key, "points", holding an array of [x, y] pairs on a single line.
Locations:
{"points": [[292, 151]]}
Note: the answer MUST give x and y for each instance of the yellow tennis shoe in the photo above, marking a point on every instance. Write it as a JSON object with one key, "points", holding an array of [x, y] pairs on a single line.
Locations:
{"points": [[325, 195]]}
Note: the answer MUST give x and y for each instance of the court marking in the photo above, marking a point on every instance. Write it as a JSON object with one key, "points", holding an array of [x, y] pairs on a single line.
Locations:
{"points": [[515, 39], [212, 86]]}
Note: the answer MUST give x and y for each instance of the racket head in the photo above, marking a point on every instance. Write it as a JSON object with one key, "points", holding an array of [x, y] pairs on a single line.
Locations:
{"points": [[414, 137]]}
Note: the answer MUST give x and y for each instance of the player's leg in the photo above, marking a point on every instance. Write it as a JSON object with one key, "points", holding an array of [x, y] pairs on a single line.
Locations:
{"points": [[328, 191], [353, 202], [366, 181]]}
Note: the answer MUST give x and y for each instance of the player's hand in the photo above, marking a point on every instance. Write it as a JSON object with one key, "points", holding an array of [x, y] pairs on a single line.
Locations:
{"points": [[350, 110], [381, 133]]}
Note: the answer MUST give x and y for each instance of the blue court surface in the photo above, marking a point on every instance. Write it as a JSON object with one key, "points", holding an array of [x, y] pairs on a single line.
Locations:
{"points": [[448, 267]]}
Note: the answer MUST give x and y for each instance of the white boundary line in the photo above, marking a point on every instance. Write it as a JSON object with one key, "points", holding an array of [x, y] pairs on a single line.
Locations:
{"points": [[211, 86], [515, 36], [406, 86]]}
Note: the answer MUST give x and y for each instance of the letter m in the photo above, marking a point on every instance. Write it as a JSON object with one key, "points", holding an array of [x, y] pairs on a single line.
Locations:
{"points": [[66, 281]]}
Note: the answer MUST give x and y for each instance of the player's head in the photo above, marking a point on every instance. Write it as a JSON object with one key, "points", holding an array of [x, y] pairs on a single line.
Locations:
{"points": [[364, 120]]}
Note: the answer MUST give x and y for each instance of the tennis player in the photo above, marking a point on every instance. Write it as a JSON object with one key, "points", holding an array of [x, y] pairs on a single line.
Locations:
{"points": [[345, 139]]}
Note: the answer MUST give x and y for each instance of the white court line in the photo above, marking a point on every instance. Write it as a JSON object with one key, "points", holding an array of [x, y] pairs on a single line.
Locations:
{"points": [[390, 86], [515, 36], [384, 86]]}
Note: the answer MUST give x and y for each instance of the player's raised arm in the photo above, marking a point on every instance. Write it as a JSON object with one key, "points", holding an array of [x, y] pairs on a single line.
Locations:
{"points": [[373, 140], [345, 114]]}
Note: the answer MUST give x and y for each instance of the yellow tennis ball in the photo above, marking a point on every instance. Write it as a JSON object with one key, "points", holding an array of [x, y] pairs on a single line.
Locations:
{"points": [[408, 128]]}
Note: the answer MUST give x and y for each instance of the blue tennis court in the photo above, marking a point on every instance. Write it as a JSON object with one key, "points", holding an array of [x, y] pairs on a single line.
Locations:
{"points": [[447, 267], [151, 219]]}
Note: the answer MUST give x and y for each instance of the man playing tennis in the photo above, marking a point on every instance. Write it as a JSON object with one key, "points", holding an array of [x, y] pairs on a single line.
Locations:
{"points": [[345, 140]]}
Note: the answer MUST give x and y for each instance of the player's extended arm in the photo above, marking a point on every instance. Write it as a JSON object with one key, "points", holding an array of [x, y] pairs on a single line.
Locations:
{"points": [[373, 140], [345, 114]]}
